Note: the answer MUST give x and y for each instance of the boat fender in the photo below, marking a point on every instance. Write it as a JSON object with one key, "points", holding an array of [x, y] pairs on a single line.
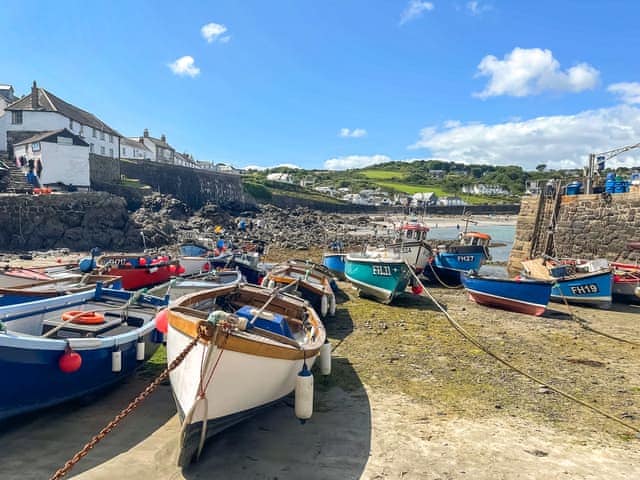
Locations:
{"points": [[140, 350], [116, 361], [324, 305], [264, 282], [272, 284], [162, 321], [69, 361], [636, 292], [87, 264], [332, 306], [325, 358], [304, 394]]}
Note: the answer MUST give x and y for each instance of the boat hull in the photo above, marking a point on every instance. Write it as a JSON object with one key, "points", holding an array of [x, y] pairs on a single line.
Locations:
{"points": [[626, 280], [528, 297], [335, 263], [446, 267], [416, 254], [591, 289], [136, 278], [377, 278]]}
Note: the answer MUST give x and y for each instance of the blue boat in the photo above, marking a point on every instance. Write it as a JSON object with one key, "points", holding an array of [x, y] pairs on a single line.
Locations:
{"points": [[380, 275], [588, 283], [49, 358], [335, 263], [516, 295], [446, 266]]}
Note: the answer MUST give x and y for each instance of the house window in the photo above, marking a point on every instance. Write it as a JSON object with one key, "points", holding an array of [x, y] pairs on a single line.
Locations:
{"points": [[70, 124], [95, 133], [111, 152], [91, 147], [81, 131], [35, 147], [101, 135], [101, 150], [110, 138], [16, 118], [124, 151]]}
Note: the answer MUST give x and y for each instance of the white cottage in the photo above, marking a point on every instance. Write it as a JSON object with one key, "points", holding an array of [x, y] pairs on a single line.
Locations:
{"points": [[133, 149], [161, 151], [42, 111], [58, 157]]}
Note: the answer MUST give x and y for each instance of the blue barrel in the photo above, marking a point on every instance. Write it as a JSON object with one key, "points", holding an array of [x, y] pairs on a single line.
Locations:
{"points": [[619, 186], [611, 176], [609, 185], [574, 188]]}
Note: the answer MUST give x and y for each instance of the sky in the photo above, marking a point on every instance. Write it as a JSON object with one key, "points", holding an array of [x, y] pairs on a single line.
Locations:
{"points": [[343, 83]]}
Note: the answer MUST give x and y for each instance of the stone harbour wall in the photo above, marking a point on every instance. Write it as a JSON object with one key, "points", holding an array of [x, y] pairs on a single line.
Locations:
{"points": [[525, 226], [78, 221]]}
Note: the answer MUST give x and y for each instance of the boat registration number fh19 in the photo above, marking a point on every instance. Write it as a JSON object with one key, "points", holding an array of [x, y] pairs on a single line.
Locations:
{"points": [[585, 289], [465, 258], [382, 270]]}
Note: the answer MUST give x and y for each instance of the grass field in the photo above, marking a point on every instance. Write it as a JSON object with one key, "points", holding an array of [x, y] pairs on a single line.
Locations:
{"points": [[383, 174]]}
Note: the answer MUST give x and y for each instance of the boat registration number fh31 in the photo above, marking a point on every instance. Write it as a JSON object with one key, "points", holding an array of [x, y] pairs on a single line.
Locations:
{"points": [[382, 270], [585, 289]]}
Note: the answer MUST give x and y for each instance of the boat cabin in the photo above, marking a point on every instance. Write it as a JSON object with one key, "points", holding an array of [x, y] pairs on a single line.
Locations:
{"points": [[475, 238], [413, 231]]}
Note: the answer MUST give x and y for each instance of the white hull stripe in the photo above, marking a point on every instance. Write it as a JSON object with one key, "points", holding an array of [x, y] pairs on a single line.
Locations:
{"points": [[507, 299]]}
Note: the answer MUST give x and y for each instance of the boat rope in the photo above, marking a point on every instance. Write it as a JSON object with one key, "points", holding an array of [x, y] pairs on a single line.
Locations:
{"points": [[440, 281], [461, 330], [205, 332], [584, 323]]}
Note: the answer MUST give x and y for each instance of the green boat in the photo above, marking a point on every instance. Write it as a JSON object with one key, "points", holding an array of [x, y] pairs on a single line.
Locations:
{"points": [[381, 275]]}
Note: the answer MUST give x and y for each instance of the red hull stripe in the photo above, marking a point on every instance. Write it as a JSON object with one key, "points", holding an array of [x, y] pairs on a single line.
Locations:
{"points": [[506, 304]]}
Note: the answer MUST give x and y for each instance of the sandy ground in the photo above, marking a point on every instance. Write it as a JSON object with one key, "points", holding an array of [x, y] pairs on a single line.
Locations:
{"points": [[408, 399]]}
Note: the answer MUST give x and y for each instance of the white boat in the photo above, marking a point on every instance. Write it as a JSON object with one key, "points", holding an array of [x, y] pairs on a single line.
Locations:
{"points": [[261, 340], [412, 245]]}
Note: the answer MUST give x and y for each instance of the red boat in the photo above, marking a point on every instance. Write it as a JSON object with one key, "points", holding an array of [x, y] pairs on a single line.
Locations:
{"points": [[138, 270], [626, 282]]}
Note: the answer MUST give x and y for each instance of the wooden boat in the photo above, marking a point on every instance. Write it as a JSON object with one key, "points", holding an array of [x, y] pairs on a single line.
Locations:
{"points": [[49, 360], [516, 295], [55, 287], [138, 270], [196, 258], [380, 274], [574, 281], [179, 287], [261, 339], [313, 283], [626, 282]]}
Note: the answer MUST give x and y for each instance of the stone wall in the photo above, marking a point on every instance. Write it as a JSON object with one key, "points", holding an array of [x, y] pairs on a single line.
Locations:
{"points": [[587, 226], [78, 221], [195, 187], [103, 170]]}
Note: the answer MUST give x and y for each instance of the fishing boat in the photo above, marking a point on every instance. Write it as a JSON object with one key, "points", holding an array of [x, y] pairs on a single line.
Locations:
{"points": [[626, 278], [65, 347], [516, 295], [380, 274], [139, 270], [196, 258], [412, 246], [55, 287], [574, 281], [262, 342], [313, 283], [448, 262], [178, 287], [249, 264], [335, 261], [318, 269]]}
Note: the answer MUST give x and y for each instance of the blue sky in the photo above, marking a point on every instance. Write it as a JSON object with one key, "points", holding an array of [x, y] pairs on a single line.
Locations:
{"points": [[504, 82]]}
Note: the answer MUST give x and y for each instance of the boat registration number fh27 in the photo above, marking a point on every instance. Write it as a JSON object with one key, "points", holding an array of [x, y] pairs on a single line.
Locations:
{"points": [[585, 289], [465, 258], [381, 270]]}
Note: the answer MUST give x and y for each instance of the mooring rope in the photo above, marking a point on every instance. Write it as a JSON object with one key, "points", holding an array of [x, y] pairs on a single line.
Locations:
{"points": [[460, 329]]}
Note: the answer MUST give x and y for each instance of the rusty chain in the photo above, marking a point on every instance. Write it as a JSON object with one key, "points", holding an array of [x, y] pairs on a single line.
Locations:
{"points": [[205, 332]]}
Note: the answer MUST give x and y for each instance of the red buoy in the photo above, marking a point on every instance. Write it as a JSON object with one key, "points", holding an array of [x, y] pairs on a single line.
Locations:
{"points": [[162, 321], [69, 361], [142, 261], [181, 270], [416, 289], [172, 269], [206, 267]]}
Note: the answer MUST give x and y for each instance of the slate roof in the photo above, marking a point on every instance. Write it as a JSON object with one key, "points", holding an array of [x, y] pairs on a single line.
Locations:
{"points": [[42, 136], [160, 143], [48, 102], [133, 143]]}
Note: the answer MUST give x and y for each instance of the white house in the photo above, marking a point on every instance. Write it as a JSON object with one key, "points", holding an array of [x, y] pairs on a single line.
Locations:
{"points": [[280, 177], [451, 202], [42, 111], [485, 189], [133, 149], [7, 96], [161, 151], [185, 160], [205, 164], [421, 199], [63, 156]]}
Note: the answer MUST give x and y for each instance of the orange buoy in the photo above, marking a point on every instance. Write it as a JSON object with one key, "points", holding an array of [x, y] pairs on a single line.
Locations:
{"points": [[83, 318]]}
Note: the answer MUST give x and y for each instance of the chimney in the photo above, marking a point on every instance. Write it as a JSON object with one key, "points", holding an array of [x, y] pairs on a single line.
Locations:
{"points": [[163, 137], [146, 132], [34, 96]]}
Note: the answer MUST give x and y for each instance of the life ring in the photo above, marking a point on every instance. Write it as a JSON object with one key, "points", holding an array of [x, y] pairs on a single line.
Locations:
{"points": [[324, 305], [83, 318]]}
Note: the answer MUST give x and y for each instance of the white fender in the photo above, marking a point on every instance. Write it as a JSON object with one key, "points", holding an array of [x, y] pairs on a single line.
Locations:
{"points": [[324, 305], [265, 282], [332, 305], [116, 361], [272, 284], [325, 358], [140, 350], [304, 394]]}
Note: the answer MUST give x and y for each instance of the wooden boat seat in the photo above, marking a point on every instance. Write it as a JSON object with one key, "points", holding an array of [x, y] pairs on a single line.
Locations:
{"points": [[537, 269]]}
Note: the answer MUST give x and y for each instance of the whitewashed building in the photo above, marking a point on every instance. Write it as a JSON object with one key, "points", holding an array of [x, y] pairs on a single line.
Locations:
{"points": [[280, 177], [7, 96], [133, 149], [484, 189], [161, 151], [63, 157], [42, 111], [185, 160], [421, 199], [451, 202]]}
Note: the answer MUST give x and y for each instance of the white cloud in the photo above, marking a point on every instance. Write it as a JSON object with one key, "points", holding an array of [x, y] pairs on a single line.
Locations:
{"points": [[354, 161], [211, 31], [225, 39], [561, 141], [185, 66], [530, 71], [355, 133], [261, 168], [414, 10], [629, 92], [477, 8]]}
